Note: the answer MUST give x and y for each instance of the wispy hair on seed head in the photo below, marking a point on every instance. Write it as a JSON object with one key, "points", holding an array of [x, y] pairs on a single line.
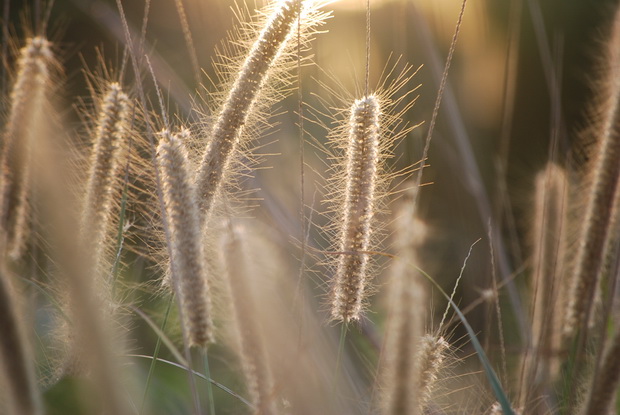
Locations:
{"points": [[186, 249], [393, 100], [252, 73], [28, 114]]}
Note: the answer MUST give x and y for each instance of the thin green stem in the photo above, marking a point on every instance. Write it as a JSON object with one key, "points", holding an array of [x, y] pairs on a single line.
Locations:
{"points": [[209, 385], [155, 354]]}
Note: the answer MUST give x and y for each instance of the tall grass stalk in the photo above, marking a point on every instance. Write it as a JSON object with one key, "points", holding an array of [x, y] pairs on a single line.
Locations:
{"points": [[541, 363]]}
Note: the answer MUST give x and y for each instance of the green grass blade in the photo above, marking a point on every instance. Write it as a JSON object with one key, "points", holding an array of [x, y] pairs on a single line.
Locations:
{"points": [[200, 375], [175, 352], [502, 399], [155, 355]]}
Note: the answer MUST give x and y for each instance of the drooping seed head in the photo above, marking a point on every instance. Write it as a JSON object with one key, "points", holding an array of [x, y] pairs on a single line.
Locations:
{"points": [[225, 135]]}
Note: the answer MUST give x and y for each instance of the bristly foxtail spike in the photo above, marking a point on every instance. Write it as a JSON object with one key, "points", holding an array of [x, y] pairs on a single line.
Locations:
{"points": [[28, 98], [362, 169], [188, 267]]}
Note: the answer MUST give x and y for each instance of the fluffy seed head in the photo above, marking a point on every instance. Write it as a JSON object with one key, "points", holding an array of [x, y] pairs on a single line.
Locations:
{"points": [[404, 385], [605, 170], [108, 145], [547, 286], [26, 114], [225, 135], [363, 156], [186, 248], [254, 359], [430, 360]]}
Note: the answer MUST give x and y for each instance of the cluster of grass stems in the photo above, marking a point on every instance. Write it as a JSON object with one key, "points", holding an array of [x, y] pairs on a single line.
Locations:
{"points": [[143, 222]]}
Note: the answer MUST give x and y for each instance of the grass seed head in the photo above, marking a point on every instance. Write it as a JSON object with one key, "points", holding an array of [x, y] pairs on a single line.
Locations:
{"points": [[25, 122], [255, 364], [362, 165], [225, 134], [599, 187], [186, 249], [405, 381], [109, 142]]}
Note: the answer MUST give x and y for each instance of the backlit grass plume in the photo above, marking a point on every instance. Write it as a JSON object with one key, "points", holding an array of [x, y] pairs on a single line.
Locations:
{"points": [[268, 60], [406, 380], [25, 122], [363, 164], [599, 189], [186, 251], [430, 359], [362, 142], [605, 385], [238, 271], [548, 287], [109, 144]]}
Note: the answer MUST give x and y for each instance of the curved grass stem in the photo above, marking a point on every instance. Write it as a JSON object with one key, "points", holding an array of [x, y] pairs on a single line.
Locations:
{"points": [[155, 354]]}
